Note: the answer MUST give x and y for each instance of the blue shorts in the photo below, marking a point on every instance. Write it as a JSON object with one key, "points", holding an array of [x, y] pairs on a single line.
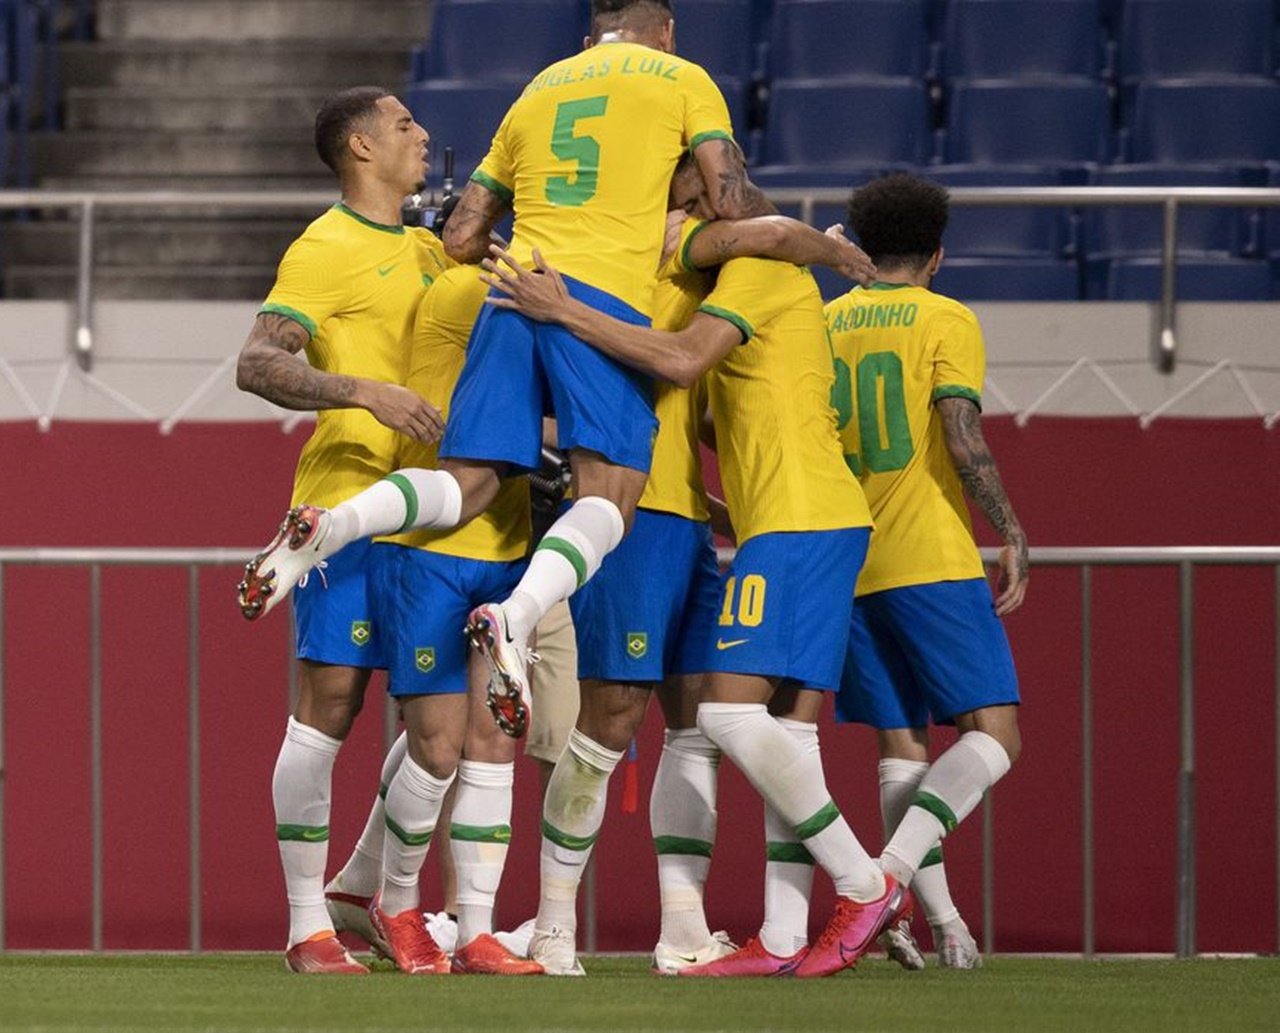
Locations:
{"points": [[929, 649], [785, 605], [332, 620], [651, 607], [420, 603], [518, 371]]}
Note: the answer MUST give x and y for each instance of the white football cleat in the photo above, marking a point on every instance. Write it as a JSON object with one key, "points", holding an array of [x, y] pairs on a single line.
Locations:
{"points": [[956, 946], [350, 913], [297, 548], [509, 698], [556, 951], [668, 961], [517, 941], [901, 946]]}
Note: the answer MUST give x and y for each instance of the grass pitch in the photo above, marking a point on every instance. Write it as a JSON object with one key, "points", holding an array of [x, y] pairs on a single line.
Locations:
{"points": [[245, 992]]}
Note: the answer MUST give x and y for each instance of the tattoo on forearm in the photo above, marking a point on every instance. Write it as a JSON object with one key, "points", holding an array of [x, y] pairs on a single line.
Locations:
{"points": [[269, 367], [739, 198], [466, 235]]}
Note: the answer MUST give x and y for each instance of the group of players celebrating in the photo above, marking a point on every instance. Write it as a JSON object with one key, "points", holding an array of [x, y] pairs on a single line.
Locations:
{"points": [[648, 284]]}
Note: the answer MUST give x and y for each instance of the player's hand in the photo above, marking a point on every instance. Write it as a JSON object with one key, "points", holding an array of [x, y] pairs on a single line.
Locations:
{"points": [[1013, 573], [404, 411], [539, 294], [853, 263], [671, 238]]}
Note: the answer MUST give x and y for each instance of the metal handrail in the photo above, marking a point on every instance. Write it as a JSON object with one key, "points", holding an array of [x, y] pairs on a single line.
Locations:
{"points": [[1184, 558], [1170, 198]]}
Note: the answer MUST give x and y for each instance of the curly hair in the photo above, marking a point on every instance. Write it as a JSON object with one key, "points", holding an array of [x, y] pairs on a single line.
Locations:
{"points": [[899, 219]]}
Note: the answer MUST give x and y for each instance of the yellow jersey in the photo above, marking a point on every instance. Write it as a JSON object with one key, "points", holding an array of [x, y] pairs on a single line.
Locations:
{"points": [[781, 461], [586, 155], [898, 349], [441, 331], [354, 285]]}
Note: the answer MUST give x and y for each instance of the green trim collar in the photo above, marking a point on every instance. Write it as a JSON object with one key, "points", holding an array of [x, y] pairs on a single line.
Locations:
{"points": [[380, 227], [880, 285]]}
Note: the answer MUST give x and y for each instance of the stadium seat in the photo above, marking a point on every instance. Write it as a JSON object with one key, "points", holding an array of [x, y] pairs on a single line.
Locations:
{"points": [[737, 97], [1050, 122], [1008, 279], [848, 123], [1000, 232], [717, 35], [1190, 121], [1202, 279], [1054, 37], [814, 39], [1140, 231], [1166, 38], [498, 39], [461, 115]]}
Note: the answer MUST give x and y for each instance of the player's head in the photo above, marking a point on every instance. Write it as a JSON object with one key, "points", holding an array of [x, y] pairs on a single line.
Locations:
{"points": [[365, 131], [899, 221], [649, 22], [689, 190]]}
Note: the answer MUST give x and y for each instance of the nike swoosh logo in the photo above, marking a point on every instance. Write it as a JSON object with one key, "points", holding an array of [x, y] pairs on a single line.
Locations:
{"points": [[688, 959], [386, 271], [722, 644]]}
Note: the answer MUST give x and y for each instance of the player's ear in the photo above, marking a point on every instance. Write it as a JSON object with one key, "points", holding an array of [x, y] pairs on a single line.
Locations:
{"points": [[668, 36], [587, 43], [936, 261]]}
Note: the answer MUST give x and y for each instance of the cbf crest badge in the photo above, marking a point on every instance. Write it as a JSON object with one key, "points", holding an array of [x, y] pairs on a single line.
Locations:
{"points": [[637, 644], [361, 632], [425, 659]]}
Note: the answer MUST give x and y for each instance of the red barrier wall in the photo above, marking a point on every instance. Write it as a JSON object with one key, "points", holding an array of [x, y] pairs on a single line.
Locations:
{"points": [[1075, 482]]}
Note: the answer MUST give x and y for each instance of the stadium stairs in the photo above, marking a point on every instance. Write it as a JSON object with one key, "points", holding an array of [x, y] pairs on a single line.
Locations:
{"points": [[197, 95]]}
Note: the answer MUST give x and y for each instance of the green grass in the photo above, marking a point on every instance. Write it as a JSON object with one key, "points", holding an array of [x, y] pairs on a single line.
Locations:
{"points": [[253, 992]]}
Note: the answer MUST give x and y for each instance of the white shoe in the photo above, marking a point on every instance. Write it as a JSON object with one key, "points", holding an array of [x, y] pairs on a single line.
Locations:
{"points": [[556, 951], [443, 929], [956, 946], [299, 545], [517, 941], [901, 946], [668, 960], [350, 913], [509, 698]]}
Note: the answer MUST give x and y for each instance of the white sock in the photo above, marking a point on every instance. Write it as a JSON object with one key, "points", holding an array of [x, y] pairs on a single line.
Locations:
{"points": [[402, 500], [300, 789], [412, 806], [791, 782], [899, 780], [682, 818], [569, 554], [948, 793], [788, 869], [362, 874], [571, 817], [479, 836]]}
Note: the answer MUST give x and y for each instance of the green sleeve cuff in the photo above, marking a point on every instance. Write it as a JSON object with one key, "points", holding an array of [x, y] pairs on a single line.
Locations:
{"points": [[301, 318], [686, 259], [493, 186], [743, 326], [956, 391], [713, 134]]}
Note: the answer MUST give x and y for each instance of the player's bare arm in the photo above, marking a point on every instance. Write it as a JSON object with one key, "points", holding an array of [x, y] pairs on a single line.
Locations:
{"points": [[781, 238], [733, 195], [269, 367], [962, 425], [466, 234], [679, 357]]}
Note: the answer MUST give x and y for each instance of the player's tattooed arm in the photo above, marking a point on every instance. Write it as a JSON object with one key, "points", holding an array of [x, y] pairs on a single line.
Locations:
{"points": [[781, 238], [976, 466], [732, 194], [466, 234], [270, 368]]}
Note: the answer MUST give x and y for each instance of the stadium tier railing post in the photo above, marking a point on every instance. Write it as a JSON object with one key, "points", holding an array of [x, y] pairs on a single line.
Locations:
{"points": [[1086, 754], [95, 751], [1167, 359], [193, 753], [84, 289], [2, 916], [1186, 768]]}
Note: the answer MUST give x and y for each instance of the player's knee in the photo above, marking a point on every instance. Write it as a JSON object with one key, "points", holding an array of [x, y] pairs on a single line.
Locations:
{"points": [[611, 714]]}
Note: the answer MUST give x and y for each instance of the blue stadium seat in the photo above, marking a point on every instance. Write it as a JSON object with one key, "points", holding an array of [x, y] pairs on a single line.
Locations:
{"points": [[1053, 37], [4, 140], [499, 39], [1201, 279], [461, 115], [1166, 38], [737, 97], [1192, 121], [1008, 279], [848, 123], [1000, 232], [814, 39], [717, 35], [1052, 122]]}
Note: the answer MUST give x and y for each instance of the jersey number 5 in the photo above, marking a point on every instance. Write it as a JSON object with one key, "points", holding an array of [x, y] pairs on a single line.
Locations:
{"points": [[882, 403], [585, 150]]}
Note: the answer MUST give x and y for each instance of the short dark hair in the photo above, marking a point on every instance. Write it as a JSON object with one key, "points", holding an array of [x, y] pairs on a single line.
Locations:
{"points": [[608, 15], [339, 116], [899, 219]]}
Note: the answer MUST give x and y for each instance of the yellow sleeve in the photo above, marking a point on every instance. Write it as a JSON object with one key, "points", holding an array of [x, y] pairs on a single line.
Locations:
{"points": [[310, 285], [496, 173], [958, 355], [706, 115], [679, 262], [744, 297]]}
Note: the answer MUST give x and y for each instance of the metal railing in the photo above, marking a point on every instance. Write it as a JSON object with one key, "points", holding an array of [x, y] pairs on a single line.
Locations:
{"points": [[1185, 559], [1171, 199]]}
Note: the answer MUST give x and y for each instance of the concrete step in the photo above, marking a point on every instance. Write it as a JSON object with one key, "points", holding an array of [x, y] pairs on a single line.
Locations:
{"points": [[286, 64], [150, 282], [296, 21], [218, 108], [154, 242], [273, 153]]}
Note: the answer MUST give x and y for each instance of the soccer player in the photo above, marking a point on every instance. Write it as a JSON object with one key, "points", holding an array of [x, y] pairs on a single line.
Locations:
{"points": [[926, 639], [590, 191], [346, 291], [802, 524]]}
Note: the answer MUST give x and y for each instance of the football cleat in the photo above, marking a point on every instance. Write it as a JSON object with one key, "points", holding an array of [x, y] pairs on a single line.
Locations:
{"points": [[443, 929], [901, 946], [410, 945], [853, 928], [297, 547], [556, 951], [508, 697], [485, 956], [956, 946], [667, 961], [350, 914], [517, 940], [322, 955], [752, 960]]}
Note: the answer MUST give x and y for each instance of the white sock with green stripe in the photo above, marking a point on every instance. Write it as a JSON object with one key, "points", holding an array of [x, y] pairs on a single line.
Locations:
{"points": [[948, 793], [899, 780], [300, 790], [412, 806], [362, 874], [479, 836], [682, 818], [402, 500], [788, 869], [571, 817], [791, 782], [569, 554]]}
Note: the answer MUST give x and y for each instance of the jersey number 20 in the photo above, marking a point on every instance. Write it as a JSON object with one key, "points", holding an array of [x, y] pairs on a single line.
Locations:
{"points": [[878, 373]]}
